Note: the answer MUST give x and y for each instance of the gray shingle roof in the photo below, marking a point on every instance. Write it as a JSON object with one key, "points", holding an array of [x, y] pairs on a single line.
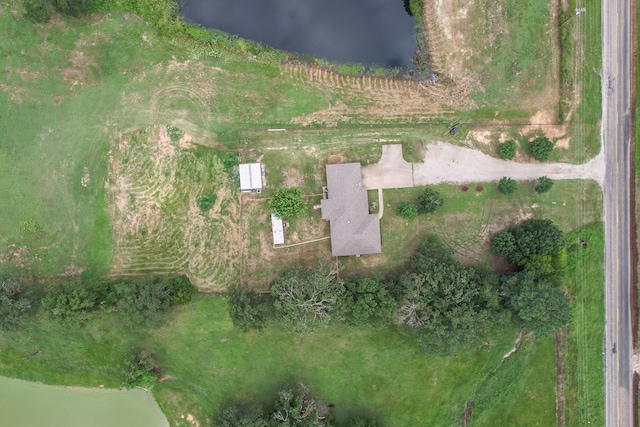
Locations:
{"points": [[354, 231]]}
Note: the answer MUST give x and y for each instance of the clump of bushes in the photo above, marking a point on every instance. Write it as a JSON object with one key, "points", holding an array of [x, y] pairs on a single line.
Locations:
{"points": [[532, 294], [139, 370], [174, 133], [206, 202], [428, 201], [16, 300], [507, 150], [139, 301], [70, 301], [407, 210]]}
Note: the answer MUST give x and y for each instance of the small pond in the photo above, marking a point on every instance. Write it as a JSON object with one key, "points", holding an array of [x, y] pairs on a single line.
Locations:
{"points": [[372, 32], [24, 403]]}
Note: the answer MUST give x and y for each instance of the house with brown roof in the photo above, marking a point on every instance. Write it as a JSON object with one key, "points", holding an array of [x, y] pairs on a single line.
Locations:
{"points": [[354, 231]]}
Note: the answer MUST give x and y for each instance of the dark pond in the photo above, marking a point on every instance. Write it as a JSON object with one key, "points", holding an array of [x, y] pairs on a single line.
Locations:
{"points": [[371, 32]]}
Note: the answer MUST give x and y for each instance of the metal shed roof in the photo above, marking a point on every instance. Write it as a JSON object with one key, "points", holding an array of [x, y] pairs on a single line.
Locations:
{"points": [[277, 229], [250, 177]]}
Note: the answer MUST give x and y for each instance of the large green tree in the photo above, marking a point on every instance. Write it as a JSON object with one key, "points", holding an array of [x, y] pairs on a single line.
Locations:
{"points": [[15, 301], [538, 306], [531, 237], [295, 407], [368, 302], [305, 299], [247, 309], [450, 306], [287, 203]]}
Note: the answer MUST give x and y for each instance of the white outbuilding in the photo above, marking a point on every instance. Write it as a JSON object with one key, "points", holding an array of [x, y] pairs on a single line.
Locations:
{"points": [[277, 229], [251, 177]]}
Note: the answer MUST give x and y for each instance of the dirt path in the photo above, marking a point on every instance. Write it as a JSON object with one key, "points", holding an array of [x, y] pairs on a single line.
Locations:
{"points": [[449, 163]]}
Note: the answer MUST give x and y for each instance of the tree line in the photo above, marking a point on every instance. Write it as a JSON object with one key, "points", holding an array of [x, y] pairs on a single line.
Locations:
{"points": [[446, 306], [139, 302]]}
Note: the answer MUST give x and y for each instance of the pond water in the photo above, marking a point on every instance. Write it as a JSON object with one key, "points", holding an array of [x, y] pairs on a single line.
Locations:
{"points": [[372, 32], [24, 403]]}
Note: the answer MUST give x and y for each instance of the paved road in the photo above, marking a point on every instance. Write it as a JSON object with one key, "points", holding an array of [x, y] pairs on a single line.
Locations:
{"points": [[616, 139]]}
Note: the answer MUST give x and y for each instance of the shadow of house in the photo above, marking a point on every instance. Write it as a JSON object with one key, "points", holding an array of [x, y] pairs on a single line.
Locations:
{"points": [[354, 231]]}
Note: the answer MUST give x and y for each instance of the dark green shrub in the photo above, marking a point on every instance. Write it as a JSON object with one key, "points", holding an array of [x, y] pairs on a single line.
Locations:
{"points": [[407, 210], [38, 11], [507, 150], [182, 290], [543, 184], [174, 133], [428, 201], [15, 301], [206, 202], [541, 148], [139, 370], [507, 185]]}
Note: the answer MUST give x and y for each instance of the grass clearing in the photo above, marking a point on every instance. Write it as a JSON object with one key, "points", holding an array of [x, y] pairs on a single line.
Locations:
{"points": [[584, 386], [521, 391], [467, 220]]}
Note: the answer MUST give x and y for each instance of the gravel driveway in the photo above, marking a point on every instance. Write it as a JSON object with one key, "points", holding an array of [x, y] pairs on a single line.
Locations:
{"points": [[457, 165]]}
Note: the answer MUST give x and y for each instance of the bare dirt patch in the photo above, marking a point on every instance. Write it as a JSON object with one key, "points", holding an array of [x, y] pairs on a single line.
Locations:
{"points": [[481, 136], [544, 122], [292, 178], [335, 159]]}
